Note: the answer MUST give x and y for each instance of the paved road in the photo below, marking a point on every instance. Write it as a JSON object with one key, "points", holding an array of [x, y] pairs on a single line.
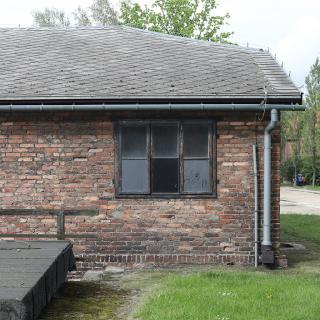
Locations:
{"points": [[302, 201]]}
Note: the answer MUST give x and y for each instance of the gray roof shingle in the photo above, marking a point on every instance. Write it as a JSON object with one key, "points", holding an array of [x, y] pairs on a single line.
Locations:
{"points": [[121, 62]]}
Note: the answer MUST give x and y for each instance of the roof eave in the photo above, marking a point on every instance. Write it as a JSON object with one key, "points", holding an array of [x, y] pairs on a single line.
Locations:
{"points": [[239, 99]]}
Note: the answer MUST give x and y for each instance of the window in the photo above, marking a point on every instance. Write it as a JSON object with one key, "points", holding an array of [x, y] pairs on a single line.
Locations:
{"points": [[166, 158]]}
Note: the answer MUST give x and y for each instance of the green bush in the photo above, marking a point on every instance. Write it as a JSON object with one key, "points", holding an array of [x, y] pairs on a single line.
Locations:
{"points": [[306, 170], [287, 169]]}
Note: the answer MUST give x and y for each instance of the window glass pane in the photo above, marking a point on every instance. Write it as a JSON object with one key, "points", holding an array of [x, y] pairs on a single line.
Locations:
{"points": [[195, 139], [135, 176], [164, 141], [196, 176], [134, 141], [165, 175]]}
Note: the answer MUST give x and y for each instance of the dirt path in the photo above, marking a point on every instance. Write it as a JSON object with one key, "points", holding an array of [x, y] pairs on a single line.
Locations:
{"points": [[293, 200]]}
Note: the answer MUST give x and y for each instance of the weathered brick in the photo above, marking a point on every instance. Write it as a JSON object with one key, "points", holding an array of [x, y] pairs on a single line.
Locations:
{"points": [[66, 161]]}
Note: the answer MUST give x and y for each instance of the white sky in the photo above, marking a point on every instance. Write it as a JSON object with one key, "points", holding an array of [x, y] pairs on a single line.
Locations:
{"points": [[290, 28]]}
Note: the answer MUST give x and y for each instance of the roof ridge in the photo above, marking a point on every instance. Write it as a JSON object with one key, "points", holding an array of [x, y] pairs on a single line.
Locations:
{"points": [[166, 35], [132, 29]]}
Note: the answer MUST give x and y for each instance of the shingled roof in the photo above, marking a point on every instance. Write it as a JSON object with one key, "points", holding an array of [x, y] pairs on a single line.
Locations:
{"points": [[124, 63]]}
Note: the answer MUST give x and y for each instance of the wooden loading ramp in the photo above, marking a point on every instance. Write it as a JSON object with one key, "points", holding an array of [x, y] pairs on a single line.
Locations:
{"points": [[31, 272]]}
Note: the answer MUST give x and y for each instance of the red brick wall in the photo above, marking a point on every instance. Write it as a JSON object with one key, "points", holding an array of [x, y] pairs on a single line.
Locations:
{"points": [[66, 161]]}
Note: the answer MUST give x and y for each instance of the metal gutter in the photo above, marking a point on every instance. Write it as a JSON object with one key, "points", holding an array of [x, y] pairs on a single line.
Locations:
{"points": [[151, 107], [267, 252], [230, 97]]}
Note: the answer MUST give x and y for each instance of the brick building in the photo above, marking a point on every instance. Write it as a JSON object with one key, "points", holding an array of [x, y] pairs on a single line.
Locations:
{"points": [[137, 146]]}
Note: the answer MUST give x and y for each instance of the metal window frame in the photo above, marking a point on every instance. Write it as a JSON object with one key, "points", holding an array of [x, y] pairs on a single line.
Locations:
{"points": [[212, 142]]}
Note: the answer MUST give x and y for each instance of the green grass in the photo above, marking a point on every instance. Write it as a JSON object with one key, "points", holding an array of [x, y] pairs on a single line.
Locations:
{"points": [[301, 228], [235, 296], [304, 229], [308, 187], [316, 188], [244, 295]]}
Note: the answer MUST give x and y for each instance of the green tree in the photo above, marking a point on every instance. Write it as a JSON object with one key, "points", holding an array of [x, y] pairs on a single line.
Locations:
{"points": [[187, 18], [312, 119], [50, 18], [291, 131], [103, 12], [100, 12], [82, 17]]}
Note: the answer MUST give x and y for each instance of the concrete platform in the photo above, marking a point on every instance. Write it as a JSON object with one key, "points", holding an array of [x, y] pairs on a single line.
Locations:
{"points": [[31, 272]]}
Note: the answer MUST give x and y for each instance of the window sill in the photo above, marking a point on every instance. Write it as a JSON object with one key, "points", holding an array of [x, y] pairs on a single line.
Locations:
{"points": [[167, 196]]}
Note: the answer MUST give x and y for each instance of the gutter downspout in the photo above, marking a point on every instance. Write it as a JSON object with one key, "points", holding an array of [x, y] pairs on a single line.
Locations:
{"points": [[267, 252], [256, 199]]}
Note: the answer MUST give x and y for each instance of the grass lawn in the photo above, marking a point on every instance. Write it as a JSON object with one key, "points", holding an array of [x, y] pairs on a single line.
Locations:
{"points": [[304, 229], [235, 296], [316, 188], [301, 228], [308, 187], [245, 295]]}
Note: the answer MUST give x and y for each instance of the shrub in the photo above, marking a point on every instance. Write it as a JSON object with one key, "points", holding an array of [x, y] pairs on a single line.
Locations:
{"points": [[287, 169]]}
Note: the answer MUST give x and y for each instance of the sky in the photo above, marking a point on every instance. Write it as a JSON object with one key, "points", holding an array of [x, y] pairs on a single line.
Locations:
{"points": [[289, 28]]}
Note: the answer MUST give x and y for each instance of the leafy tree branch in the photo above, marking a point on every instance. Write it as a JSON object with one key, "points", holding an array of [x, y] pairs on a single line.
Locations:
{"points": [[187, 18]]}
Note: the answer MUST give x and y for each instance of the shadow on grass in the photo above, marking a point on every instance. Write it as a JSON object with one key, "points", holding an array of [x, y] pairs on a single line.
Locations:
{"points": [[85, 301], [302, 229], [299, 256]]}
